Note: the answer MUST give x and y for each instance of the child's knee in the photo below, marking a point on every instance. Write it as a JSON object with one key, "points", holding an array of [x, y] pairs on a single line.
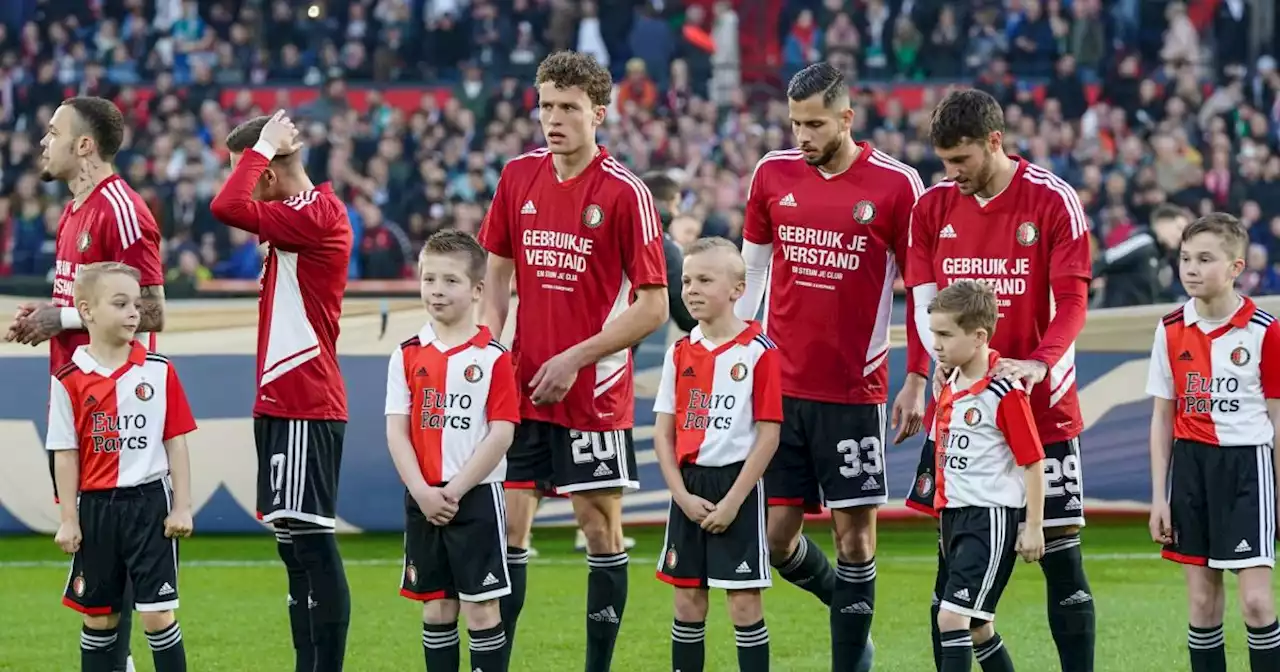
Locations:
{"points": [[438, 612], [1257, 604], [482, 615], [155, 621], [1205, 602], [745, 606], [102, 622], [691, 605], [981, 631]]}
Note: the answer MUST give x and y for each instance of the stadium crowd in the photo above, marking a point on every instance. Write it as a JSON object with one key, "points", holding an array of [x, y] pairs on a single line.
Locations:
{"points": [[1136, 104]]}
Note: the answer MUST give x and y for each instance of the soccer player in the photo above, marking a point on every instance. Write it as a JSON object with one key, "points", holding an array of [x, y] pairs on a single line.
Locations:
{"points": [[826, 230], [579, 232], [300, 414], [459, 386], [989, 471], [1215, 377], [118, 421], [719, 414], [106, 220], [1021, 229]]}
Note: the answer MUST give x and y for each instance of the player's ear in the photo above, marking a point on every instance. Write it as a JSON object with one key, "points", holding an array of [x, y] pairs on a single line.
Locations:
{"points": [[995, 141], [82, 307], [599, 113]]}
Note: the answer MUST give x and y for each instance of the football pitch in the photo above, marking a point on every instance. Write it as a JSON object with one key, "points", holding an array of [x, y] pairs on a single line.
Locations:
{"points": [[233, 609]]}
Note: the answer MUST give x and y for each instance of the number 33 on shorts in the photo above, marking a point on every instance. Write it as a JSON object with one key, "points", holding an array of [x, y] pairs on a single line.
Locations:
{"points": [[865, 456]]}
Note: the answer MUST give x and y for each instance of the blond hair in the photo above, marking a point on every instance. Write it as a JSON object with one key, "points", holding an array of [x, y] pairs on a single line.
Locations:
{"points": [[716, 243], [970, 303], [90, 276]]}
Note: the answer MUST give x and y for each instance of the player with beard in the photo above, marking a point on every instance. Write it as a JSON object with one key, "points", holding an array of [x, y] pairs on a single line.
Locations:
{"points": [[106, 220], [1020, 228], [826, 231], [579, 232]]}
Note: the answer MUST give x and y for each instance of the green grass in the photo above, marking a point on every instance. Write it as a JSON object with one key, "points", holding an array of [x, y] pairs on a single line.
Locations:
{"points": [[233, 609]]}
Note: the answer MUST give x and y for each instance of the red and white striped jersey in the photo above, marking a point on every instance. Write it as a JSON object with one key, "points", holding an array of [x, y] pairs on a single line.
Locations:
{"points": [[718, 394], [1220, 376], [451, 395], [985, 435], [118, 420]]}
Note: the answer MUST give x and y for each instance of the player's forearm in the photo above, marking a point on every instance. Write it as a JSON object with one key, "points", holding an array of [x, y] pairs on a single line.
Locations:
{"points": [[1161, 447], [641, 318], [179, 471], [917, 357], [767, 436], [233, 205], [1071, 300], [151, 312], [1033, 478], [497, 294], [66, 473], [402, 454], [664, 447], [757, 258], [921, 297], [487, 456]]}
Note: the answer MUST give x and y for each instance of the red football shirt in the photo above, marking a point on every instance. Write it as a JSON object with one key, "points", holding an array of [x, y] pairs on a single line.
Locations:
{"points": [[1020, 242], [838, 242], [303, 279], [579, 246], [112, 224]]}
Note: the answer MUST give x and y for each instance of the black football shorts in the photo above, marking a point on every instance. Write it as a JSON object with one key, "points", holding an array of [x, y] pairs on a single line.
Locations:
{"points": [[298, 466], [829, 454], [978, 546], [1222, 506], [464, 560], [736, 559], [552, 458]]}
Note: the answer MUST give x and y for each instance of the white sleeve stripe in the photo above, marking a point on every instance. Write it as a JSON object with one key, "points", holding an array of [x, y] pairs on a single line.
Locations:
{"points": [[789, 154], [535, 154], [1127, 247], [126, 216], [883, 160], [650, 225], [302, 200], [1070, 200]]}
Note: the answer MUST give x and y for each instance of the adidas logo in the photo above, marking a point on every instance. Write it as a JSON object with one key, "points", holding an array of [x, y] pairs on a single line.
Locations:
{"points": [[870, 484], [489, 579], [1073, 504], [1242, 547], [788, 201], [290, 601], [606, 615], [948, 231], [602, 470], [165, 589], [1185, 356], [858, 608], [421, 372], [1078, 597], [528, 208], [688, 373], [91, 401], [744, 568], [962, 594]]}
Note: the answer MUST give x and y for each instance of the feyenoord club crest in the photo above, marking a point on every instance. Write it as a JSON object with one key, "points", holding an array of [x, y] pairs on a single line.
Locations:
{"points": [[83, 241], [738, 372], [672, 558], [1027, 234], [864, 212], [924, 485], [972, 417], [144, 392], [593, 216], [473, 374], [1240, 356], [77, 586], [410, 574]]}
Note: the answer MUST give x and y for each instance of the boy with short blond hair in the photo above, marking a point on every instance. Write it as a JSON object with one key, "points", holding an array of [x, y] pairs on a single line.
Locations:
{"points": [[452, 408], [719, 414], [989, 468]]}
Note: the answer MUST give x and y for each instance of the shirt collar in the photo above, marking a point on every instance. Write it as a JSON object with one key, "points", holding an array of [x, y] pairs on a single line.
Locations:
{"points": [[1240, 319], [86, 362], [482, 338], [744, 337]]}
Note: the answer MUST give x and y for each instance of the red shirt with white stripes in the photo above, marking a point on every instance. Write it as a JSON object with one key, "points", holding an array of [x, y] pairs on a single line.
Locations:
{"points": [[985, 435], [304, 276], [451, 395], [838, 244], [718, 393], [1021, 242], [1220, 374], [580, 246], [118, 420], [112, 224]]}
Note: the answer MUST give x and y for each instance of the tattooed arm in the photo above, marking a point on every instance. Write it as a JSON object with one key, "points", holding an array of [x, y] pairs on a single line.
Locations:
{"points": [[45, 320], [151, 313]]}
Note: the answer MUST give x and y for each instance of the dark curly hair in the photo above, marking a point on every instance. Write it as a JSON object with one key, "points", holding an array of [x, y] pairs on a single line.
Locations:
{"points": [[567, 69], [970, 115]]}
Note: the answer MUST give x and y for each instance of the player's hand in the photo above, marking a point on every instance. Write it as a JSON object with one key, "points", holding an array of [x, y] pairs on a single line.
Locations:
{"points": [[1027, 371], [940, 376], [438, 510], [39, 325], [554, 379], [694, 507], [1031, 543], [280, 133], [720, 518], [68, 537], [908, 408], [1158, 524], [451, 494], [178, 524], [24, 309]]}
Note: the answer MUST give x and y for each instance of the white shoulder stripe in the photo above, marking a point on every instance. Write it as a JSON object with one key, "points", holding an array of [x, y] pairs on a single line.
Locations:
{"points": [[883, 160], [1070, 200], [535, 154], [302, 200], [650, 225], [127, 226]]}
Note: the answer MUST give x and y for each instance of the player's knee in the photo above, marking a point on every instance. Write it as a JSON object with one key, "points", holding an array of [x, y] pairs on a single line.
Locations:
{"points": [[439, 612], [101, 622], [600, 525], [745, 606], [949, 621], [691, 605], [782, 530], [482, 615], [155, 621], [1060, 532], [521, 507], [856, 544]]}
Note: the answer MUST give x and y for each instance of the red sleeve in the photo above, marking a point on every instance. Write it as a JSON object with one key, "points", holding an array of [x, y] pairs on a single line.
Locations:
{"points": [[756, 227], [639, 229], [922, 231], [766, 391], [177, 414], [495, 232], [1071, 299], [1013, 417], [130, 223], [504, 399], [918, 359], [290, 224], [1269, 365]]}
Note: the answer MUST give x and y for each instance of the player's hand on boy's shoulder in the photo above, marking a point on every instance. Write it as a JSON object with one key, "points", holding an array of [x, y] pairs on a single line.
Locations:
{"points": [[69, 536], [1027, 371], [436, 507], [178, 524], [1031, 543]]}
